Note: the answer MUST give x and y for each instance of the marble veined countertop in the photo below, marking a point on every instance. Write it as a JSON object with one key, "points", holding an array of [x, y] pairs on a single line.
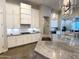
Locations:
{"points": [[57, 50]]}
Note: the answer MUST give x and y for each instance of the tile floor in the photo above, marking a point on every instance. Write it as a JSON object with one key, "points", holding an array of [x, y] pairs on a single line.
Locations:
{"points": [[22, 52]]}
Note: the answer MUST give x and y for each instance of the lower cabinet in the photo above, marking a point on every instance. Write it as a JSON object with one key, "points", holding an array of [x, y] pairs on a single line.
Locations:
{"points": [[27, 39], [19, 40], [14, 41], [36, 37]]}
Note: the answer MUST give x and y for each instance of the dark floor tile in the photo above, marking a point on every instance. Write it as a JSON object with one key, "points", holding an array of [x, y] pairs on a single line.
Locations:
{"points": [[22, 52]]}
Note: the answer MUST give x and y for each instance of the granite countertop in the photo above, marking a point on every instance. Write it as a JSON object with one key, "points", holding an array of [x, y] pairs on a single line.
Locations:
{"points": [[57, 50], [23, 34]]}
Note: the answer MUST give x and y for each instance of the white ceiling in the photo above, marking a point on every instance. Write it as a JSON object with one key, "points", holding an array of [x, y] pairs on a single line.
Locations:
{"points": [[55, 4]]}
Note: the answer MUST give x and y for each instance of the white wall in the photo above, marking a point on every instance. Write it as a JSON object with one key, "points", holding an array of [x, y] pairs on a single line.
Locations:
{"points": [[46, 11]]}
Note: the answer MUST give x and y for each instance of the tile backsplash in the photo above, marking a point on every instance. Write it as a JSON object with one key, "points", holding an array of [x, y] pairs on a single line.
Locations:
{"points": [[25, 26]]}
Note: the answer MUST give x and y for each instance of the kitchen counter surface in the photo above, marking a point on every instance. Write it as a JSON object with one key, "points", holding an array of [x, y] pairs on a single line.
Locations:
{"points": [[58, 50], [22, 34]]}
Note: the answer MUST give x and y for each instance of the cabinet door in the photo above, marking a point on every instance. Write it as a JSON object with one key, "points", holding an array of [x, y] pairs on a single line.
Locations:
{"points": [[12, 15], [25, 19], [36, 37], [16, 9], [9, 18], [25, 6], [9, 15], [26, 11], [9, 10], [16, 20], [28, 19], [1, 44], [28, 6], [12, 42], [13, 21], [19, 40], [27, 39], [35, 18]]}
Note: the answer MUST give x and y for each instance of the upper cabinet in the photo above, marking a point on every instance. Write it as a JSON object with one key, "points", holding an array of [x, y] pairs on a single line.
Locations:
{"points": [[35, 18], [25, 6], [25, 13], [12, 15]]}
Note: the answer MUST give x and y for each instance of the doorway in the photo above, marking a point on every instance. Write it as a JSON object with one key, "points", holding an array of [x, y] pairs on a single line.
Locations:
{"points": [[46, 29]]}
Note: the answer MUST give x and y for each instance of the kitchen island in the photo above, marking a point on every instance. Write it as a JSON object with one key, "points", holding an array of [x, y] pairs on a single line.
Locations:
{"points": [[58, 50]]}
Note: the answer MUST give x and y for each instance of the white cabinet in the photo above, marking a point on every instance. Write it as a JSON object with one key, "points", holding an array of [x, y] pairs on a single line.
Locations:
{"points": [[12, 41], [36, 37], [25, 13], [25, 6], [1, 45], [35, 18], [27, 39], [12, 15], [13, 21], [19, 40], [25, 19], [16, 20]]}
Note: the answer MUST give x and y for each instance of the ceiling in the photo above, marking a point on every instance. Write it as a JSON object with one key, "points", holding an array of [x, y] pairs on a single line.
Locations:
{"points": [[54, 4]]}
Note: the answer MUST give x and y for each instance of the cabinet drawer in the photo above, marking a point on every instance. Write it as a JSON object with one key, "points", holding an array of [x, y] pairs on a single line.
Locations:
{"points": [[25, 6], [24, 16], [26, 11]]}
